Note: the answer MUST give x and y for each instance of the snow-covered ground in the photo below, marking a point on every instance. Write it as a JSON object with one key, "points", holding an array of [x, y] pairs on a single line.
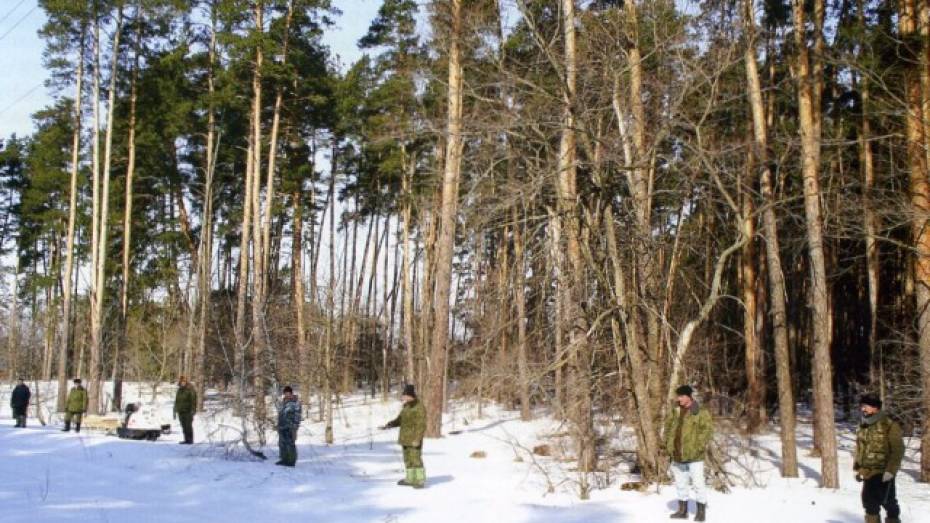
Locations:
{"points": [[50, 476]]}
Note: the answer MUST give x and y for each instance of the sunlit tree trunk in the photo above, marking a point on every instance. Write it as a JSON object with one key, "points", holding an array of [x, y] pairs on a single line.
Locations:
{"points": [[64, 336], [808, 66], [446, 239]]}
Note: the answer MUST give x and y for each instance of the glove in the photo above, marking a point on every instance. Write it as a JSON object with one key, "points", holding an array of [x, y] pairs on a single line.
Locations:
{"points": [[886, 477], [858, 478]]}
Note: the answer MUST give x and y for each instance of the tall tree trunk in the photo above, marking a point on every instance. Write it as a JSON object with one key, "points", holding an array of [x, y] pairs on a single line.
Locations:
{"points": [[64, 337], [579, 350], [776, 277], [410, 369], [331, 303], [810, 160], [99, 280], [920, 203], [259, 340], [446, 240], [205, 251], [519, 248], [297, 268], [127, 224]]}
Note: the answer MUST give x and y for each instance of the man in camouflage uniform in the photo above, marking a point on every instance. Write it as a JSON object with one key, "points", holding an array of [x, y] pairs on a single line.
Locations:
{"points": [[688, 430], [19, 402], [185, 404], [288, 423], [75, 406], [879, 450], [412, 423]]}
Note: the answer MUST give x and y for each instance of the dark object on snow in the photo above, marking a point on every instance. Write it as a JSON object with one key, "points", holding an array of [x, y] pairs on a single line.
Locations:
{"points": [[701, 508], [19, 403], [871, 400], [684, 390]]}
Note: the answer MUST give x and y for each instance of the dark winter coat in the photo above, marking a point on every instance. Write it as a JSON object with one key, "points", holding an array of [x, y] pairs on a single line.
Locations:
{"points": [[879, 446], [289, 415], [77, 400], [412, 423], [185, 401], [697, 429], [20, 397]]}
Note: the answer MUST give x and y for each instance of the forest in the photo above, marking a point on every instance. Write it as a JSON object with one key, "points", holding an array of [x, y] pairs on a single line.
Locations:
{"points": [[567, 207]]}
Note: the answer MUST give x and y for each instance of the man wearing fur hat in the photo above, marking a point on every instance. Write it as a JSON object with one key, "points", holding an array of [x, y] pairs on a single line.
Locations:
{"points": [[412, 423], [879, 450], [185, 404], [688, 430]]}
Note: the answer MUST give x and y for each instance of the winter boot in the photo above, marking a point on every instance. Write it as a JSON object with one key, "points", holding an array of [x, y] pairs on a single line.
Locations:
{"points": [[892, 520], [873, 518], [77, 427], [67, 427], [682, 511], [701, 507], [419, 477], [22, 421], [407, 481]]}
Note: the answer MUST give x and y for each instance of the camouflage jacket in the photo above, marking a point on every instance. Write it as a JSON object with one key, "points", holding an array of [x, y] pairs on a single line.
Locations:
{"points": [[77, 400], [879, 446], [289, 415], [697, 429], [412, 423], [185, 401]]}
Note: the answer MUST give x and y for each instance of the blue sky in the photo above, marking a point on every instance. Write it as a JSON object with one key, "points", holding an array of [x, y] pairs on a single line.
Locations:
{"points": [[22, 75]]}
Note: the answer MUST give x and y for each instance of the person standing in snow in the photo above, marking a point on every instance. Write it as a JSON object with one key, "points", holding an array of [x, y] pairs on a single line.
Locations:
{"points": [[75, 406], [688, 430], [412, 423], [288, 423], [185, 403], [19, 402], [879, 451]]}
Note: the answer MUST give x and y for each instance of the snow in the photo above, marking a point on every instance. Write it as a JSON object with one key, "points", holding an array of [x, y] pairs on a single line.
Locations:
{"points": [[50, 476]]}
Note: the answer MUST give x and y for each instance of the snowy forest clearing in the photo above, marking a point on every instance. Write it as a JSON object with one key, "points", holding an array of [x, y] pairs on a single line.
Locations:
{"points": [[51, 476]]}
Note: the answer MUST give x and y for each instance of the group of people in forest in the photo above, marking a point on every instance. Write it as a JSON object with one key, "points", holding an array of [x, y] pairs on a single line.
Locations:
{"points": [[687, 433]]}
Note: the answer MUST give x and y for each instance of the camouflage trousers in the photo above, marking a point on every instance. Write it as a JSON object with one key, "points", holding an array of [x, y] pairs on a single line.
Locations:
{"points": [[413, 457], [76, 417], [287, 446]]}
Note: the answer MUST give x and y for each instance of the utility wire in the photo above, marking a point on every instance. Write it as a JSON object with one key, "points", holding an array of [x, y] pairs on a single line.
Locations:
{"points": [[11, 11], [21, 98], [10, 30]]}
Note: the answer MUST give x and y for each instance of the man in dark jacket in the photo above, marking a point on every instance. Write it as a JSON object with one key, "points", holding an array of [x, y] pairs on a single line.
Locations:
{"points": [[75, 406], [688, 430], [185, 404], [288, 423], [879, 451], [19, 402], [412, 423]]}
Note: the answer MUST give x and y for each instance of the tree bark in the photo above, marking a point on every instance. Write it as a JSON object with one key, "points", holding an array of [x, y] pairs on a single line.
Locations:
{"points": [[446, 239], [94, 404], [810, 160], [64, 336], [776, 277]]}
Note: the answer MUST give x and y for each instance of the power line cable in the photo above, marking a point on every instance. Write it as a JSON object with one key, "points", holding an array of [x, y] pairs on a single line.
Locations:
{"points": [[21, 98], [10, 30], [11, 11]]}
